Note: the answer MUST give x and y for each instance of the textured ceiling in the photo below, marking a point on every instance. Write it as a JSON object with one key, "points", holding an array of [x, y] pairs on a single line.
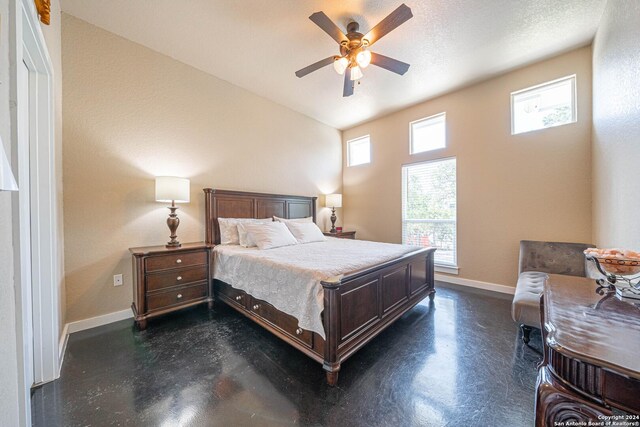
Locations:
{"points": [[258, 45]]}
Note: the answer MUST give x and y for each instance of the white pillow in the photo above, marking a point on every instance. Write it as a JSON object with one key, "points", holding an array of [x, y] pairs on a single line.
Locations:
{"points": [[229, 229], [270, 235], [305, 232], [285, 220], [245, 239]]}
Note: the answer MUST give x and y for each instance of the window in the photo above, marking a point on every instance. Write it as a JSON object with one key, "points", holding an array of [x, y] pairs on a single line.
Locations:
{"points": [[428, 134], [429, 208], [546, 105], [359, 151]]}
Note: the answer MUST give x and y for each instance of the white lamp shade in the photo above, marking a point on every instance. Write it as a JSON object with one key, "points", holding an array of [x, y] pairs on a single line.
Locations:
{"points": [[340, 65], [363, 58], [7, 181], [356, 73], [333, 200], [172, 189]]}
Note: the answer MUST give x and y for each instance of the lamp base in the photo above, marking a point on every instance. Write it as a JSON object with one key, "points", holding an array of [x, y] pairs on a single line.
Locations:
{"points": [[333, 221], [173, 222]]}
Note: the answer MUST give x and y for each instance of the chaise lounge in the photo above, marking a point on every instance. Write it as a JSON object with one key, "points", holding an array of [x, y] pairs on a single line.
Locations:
{"points": [[537, 259]]}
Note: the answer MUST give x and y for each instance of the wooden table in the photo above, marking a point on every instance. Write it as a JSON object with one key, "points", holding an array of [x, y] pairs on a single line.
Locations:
{"points": [[591, 354], [341, 234]]}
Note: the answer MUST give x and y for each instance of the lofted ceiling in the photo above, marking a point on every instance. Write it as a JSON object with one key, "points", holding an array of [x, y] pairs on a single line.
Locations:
{"points": [[258, 45]]}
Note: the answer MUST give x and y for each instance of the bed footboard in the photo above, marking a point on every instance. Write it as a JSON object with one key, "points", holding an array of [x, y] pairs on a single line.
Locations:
{"points": [[362, 304]]}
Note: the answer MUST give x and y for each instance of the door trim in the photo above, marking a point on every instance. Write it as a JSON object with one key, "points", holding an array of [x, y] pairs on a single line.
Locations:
{"points": [[37, 323]]}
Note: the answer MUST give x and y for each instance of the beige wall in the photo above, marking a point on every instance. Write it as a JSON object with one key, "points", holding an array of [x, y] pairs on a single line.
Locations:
{"points": [[616, 127], [131, 114], [529, 186]]}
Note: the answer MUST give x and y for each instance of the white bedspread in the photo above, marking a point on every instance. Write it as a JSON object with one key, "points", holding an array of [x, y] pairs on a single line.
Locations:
{"points": [[289, 277]]}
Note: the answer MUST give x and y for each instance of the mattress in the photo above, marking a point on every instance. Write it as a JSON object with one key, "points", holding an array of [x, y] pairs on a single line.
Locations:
{"points": [[289, 277]]}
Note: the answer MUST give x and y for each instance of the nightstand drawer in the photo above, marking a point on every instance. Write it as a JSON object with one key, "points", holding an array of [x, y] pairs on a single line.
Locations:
{"points": [[182, 276], [176, 296], [176, 260]]}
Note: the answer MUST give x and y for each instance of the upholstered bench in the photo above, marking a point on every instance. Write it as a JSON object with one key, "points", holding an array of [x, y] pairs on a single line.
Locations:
{"points": [[537, 259]]}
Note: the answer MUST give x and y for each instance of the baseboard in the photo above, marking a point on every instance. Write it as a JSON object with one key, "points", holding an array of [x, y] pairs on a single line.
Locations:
{"points": [[94, 322], [476, 284], [62, 346]]}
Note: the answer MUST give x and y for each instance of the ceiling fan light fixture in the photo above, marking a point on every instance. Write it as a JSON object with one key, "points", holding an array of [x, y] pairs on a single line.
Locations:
{"points": [[354, 47], [356, 73], [340, 64], [363, 58]]}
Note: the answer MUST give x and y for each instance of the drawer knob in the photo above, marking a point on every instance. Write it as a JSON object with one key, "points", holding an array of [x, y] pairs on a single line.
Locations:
{"points": [[239, 297], [179, 296], [179, 278], [298, 331], [257, 306], [178, 261]]}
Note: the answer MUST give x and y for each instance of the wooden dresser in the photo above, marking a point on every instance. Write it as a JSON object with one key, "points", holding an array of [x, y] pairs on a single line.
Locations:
{"points": [[591, 356], [342, 234], [165, 280]]}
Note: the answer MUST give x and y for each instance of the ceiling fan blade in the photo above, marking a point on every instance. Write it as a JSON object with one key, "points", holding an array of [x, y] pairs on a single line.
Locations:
{"points": [[327, 25], [390, 64], [315, 66], [390, 23], [348, 84]]}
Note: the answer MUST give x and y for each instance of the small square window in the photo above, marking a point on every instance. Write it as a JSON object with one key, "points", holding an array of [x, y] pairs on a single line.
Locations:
{"points": [[359, 151], [542, 106], [428, 134]]}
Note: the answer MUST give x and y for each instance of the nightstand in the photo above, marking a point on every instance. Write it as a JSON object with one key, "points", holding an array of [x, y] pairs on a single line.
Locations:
{"points": [[342, 234], [169, 279]]}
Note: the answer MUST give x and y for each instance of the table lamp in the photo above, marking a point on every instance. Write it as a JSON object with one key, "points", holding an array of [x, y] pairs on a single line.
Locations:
{"points": [[174, 190], [333, 201]]}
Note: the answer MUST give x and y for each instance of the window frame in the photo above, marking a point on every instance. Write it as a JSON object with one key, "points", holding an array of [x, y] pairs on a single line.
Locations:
{"points": [[424, 119], [450, 268], [574, 102], [349, 142]]}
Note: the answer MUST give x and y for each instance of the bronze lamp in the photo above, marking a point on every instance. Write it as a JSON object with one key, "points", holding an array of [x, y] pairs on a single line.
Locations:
{"points": [[175, 190], [333, 201]]}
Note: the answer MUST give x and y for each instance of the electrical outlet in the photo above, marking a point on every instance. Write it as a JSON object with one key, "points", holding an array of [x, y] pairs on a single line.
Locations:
{"points": [[117, 280]]}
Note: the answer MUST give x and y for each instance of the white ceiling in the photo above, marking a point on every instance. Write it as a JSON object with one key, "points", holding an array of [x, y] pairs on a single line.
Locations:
{"points": [[258, 45]]}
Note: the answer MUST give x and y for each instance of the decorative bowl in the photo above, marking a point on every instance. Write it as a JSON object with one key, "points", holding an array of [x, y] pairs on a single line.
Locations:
{"points": [[615, 261]]}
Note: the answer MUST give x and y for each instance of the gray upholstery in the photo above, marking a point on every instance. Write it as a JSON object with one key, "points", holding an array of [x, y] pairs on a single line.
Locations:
{"points": [[553, 257], [525, 309], [537, 259]]}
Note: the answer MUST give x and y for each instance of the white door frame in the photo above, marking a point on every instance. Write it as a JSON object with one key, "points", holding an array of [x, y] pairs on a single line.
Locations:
{"points": [[35, 239]]}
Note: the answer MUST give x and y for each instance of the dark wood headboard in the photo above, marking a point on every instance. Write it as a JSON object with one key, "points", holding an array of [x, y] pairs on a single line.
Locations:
{"points": [[240, 204]]}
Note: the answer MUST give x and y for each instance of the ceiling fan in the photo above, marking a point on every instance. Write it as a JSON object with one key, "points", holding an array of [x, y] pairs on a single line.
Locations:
{"points": [[354, 47]]}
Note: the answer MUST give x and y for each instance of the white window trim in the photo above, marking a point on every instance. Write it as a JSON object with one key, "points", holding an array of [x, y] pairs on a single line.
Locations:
{"points": [[439, 267], [349, 165], [574, 96], [411, 153], [445, 268]]}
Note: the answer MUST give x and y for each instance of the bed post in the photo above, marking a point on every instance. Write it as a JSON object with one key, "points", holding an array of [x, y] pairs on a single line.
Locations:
{"points": [[209, 242], [208, 234], [331, 310]]}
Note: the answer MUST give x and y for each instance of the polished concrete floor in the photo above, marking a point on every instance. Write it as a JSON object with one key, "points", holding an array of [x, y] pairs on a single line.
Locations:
{"points": [[455, 362]]}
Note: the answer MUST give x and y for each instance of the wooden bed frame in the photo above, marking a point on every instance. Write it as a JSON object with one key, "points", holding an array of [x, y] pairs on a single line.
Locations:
{"points": [[357, 306]]}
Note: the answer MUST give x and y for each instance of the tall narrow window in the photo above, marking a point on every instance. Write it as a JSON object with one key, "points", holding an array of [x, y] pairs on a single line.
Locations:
{"points": [[429, 208], [546, 105], [428, 134], [359, 151]]}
